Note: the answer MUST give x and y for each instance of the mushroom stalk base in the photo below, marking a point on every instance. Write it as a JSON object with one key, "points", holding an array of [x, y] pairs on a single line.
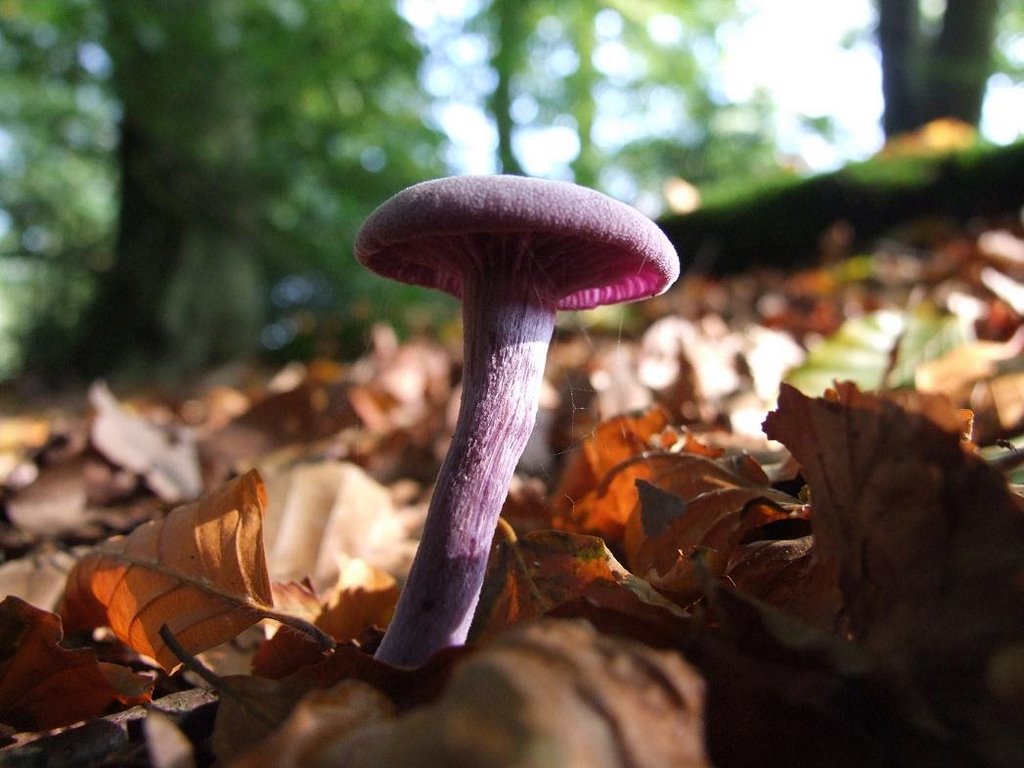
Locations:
{"points": [[506, 342]]}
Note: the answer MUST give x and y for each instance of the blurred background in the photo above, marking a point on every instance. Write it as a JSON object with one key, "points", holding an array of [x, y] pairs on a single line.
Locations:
{"points": [[181, 180]]}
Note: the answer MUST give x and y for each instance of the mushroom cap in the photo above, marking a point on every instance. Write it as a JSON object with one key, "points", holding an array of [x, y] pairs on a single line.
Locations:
{"points": [[579, 247]]}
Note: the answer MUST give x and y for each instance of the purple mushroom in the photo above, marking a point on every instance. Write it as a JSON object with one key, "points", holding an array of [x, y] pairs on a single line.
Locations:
{"points": [[515, 250]]}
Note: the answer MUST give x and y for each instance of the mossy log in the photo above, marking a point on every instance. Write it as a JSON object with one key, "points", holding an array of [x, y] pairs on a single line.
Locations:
{"points": [[781, 223]]}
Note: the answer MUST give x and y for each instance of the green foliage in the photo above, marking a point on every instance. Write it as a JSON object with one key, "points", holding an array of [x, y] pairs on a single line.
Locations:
{"points": [[216, 148], [181, 180], [878, 351], [57, 181], [635, 83]]}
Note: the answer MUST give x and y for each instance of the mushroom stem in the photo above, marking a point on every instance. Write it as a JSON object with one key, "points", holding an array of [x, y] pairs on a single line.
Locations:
{"points": [[508, 328]]}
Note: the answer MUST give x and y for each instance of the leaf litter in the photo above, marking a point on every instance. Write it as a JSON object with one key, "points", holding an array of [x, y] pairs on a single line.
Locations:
{"points": [[669, 585]]}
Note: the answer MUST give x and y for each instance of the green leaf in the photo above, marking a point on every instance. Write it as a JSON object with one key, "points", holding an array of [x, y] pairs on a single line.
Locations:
{"points": [[859, 351], [878, 351]]}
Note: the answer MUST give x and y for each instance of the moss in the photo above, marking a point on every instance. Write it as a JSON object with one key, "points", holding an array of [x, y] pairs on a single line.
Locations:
{"points": [[780, 221]]}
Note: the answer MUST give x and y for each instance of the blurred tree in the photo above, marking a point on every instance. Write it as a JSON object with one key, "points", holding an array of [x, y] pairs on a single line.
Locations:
{"points": [[935, 66], [508, 23], [633, 81], [250, 139], [57, 180]]}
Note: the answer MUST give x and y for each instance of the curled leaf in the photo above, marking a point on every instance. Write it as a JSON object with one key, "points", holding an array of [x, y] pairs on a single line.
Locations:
{"points": [[581, 503], [533, 575], [45, 686], [928, 545], [554, 693], [200, 570], [169, 463]]}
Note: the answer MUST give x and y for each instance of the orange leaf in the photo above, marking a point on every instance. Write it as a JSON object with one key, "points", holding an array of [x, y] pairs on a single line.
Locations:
{"points": [[530, 576], [364, 597], [554, 693], [706, 491], [45, 686], [786, 575], [200, 570], [928, 545], [698, 503], [575, 505], [256, 706]]}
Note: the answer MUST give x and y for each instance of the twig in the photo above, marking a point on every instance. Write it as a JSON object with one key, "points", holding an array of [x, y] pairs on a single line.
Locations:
{"points": [[216, 682]]}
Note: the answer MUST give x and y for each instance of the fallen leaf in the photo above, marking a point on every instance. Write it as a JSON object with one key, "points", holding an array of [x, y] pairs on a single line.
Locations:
{"points": [[364, 597], [587, 500], [613, 375], [782, 693], [699, 504], [45, 686], [1005, 287], [954, 373], [201, 571], [38, 578], [312, 410], [54, 503], [1003, 246], [168, 461], [252, 708], [882, 349], [553, 693], [317, 723], [530, 576], [785, 574], [928, 543], [331, 510], [1007, 394], [166, 745], [708, 347]]}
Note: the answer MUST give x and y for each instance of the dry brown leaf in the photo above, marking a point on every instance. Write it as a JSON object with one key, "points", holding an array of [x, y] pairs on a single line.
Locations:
{"points": [[364, 597], [613, 375], [781, 693], [318, 722], [312, 410], [698, 504], [929, 547], [535, 574], [587, 500], [397, 384], [253, 707], [167, 461], [955, 372], [553, 693], [54, 503], [38, 578], [45, 686], [330, 510], [716, 507], [297, 598], [166, 745], [1007, 393], [708, 347], [201, 571], [785, 574]]}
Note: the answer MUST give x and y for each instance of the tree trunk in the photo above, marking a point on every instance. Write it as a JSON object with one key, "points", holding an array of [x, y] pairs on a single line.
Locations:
{"points": [[961, 61], [926, 77], [185, 191], [898, 42], [508, 38], [587, 164], [122, 328]]}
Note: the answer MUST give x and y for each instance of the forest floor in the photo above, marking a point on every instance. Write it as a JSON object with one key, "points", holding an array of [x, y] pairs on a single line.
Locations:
{"points": [[765, 519]]}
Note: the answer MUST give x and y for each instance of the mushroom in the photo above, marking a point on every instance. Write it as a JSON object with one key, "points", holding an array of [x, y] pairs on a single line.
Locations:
{"points": [[515, 250]]}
